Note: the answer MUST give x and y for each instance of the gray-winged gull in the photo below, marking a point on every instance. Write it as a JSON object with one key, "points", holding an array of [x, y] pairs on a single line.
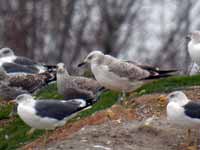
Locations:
{"points": [[13, 64], [183, 112], [75, 86], [120, 75], [48, 114]]}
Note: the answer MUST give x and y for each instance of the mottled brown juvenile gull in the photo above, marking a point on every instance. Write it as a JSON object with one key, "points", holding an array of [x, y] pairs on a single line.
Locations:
{"points": [[9, 93], [120, 75], [13, 64], [75, 86], [12, 86], [32, 82]]}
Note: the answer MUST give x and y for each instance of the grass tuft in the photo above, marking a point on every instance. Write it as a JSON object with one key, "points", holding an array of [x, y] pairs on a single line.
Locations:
{"points": [[107, 99], [169, 84], [13, 135], [5, 110], [49, 92]]}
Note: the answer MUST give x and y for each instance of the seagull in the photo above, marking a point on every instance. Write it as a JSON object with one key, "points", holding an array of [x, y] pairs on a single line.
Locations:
{"points": [[13, 64], [48, 114], [27, 82], [194, 46], [183, 112], [120, 75], [75, 86], [8, 93]]}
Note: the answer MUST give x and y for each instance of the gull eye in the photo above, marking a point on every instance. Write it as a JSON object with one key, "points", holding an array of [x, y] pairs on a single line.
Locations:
{"points": [[6, 52], [90, 57], [172, 96]]}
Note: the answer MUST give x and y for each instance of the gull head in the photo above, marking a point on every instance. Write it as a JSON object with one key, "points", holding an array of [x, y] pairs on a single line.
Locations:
{"points": [[24, 98], [93, 57], [61, 69], [178, 97], [5, 52], [194, 36]]}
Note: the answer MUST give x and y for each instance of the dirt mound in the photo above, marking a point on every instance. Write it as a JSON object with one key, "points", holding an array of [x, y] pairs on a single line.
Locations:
{"points": [[140, 124], [116, 112]]}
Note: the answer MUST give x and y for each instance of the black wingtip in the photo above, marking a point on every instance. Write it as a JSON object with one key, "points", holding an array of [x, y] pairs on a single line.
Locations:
{"points": [[81, 64], [167, 71], [151, 77], [50, 68], [157, 74]]}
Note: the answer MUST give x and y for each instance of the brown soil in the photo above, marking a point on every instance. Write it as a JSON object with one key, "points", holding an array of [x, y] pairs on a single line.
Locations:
{"points": [[140, 124]]}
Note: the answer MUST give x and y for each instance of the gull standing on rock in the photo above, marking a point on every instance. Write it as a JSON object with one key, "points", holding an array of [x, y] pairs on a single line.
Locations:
{"points": [[183, 112], [74, 86], [119, 75]]}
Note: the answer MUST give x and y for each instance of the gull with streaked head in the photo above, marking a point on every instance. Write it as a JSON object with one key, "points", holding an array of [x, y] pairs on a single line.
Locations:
{"points": [[76, 86]]}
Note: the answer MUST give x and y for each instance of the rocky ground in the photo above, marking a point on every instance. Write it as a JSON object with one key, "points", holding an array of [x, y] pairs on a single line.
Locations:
{"points": [[131, 135], [139, 124]]}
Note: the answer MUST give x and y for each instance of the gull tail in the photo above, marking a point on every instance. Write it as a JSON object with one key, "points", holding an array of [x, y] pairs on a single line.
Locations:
{"points": [[156, 73], [50, 68], [156, 69], [50, 76], [97, 97]]}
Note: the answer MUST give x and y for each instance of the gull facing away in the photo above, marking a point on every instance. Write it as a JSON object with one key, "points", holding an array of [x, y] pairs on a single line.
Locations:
{"points": [[75, 86], [120, 75], [13, 64], [183, 112]]}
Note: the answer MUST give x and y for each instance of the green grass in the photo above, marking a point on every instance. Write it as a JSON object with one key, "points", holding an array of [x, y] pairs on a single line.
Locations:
{"points": [[5, 111], [49, 92], [13, 135], [107, 99], [169, 84]]}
